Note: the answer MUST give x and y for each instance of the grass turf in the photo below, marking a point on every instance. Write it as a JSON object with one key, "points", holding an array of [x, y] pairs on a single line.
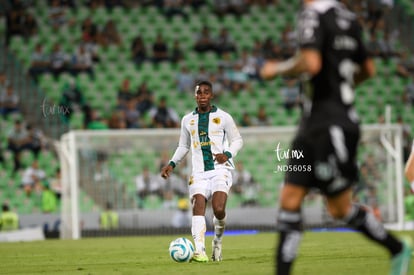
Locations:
{"points": [[320, 253]]}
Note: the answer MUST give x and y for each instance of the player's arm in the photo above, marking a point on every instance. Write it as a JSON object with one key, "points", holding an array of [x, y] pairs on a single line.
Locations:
{"points": [[235, 141], [179, 154], [366, 70], [306, 61], [409, 169]]}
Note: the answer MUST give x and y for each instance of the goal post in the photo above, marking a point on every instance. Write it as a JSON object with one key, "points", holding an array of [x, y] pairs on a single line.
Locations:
{"points": [[100, 166]]}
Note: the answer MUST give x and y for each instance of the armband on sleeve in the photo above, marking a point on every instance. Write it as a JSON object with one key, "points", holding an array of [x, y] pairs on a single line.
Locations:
{"points": [[172, 164], [228, 154]]}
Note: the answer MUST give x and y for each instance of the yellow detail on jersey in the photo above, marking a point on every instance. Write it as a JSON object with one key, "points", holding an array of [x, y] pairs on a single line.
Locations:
{"points": [[192, 122], [195, 144], [193, 132], [206, 143], [191, 180], [216, 120]]}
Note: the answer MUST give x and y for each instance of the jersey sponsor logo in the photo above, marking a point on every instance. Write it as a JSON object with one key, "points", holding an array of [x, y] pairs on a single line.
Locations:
{"points": [[344, 42], [216, 120], [206, 143]]}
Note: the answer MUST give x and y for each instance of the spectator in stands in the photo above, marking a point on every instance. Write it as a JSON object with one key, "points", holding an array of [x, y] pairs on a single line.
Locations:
{"points": [[18, 140], [90, 38], [239, 79], [9, 101], [30, 26], [287, 43], [56, 183], [159, 49], [373, 45], [182, 217], [409, 91], [125, 93], [202, 74], [109, 219], [246, 120], [117, 120], [32, 178], [40, 62], [59, 61], [204, 41], [173, 8], [139, 51], [147, 184], [9, 220], [261, 119], [185, 80], [144, 97], [218, 87], [224, 7], [96, 121], [35, 140], [405, 64], [89, 30], [163, 116], [268, 49], [3, 79], [251, 63], [49, 199], [177, 53], [224, 42], [58, 15], [132, 116], [14, 22], [110, 35], [245, 186], [72, 99], [290, 93], [82, 62], [387, 47]]}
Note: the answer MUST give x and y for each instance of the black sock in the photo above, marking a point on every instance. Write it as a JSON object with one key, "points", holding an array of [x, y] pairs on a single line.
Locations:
{"points": [[367, 224], [289, 225]]}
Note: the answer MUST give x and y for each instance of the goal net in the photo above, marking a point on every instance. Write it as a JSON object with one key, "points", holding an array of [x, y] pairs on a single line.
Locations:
{"points": [[102, 166]]}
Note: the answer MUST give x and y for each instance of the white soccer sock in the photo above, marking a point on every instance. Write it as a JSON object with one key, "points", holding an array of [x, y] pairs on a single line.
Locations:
{"points": [[198, 230], [219, 226]]}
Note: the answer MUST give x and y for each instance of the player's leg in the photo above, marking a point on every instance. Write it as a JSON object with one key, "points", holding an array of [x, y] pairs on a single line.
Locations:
{"points": [[289, 226], [341, 207], [198, 227], [199, 195], [219, 220], [221, 185]]}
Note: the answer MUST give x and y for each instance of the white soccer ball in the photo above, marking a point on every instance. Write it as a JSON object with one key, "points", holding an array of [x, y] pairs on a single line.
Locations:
{"points": [[181, 250]]}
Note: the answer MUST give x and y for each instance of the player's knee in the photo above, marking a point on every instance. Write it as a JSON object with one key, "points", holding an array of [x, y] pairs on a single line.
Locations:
{"points": [[337, 212], [219, 212]]}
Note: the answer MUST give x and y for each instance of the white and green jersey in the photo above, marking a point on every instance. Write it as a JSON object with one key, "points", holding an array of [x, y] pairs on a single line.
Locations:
{"points": [[208, 134]]}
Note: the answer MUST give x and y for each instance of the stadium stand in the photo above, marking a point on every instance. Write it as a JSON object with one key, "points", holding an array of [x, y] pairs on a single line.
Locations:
{"points": [[115, 64]]}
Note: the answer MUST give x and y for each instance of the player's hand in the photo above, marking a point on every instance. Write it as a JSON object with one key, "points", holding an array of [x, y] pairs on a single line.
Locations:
{"points": [[268, 70], [221, 158], [166, 171]]}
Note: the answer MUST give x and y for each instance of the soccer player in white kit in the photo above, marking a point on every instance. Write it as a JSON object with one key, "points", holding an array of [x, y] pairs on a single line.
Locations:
{"points": [[409, 168], [214, 139]]}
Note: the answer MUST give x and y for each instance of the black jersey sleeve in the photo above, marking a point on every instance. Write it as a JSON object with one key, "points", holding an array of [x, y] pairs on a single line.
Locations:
{"points": [[310, 31]]}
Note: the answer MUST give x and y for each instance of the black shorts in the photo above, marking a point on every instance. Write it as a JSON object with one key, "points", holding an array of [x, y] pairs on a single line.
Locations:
{"points": [[330, 157]]}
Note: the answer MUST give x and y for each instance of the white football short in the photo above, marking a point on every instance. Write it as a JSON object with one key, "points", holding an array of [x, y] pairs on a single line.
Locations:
{"points": [[206, 183]]}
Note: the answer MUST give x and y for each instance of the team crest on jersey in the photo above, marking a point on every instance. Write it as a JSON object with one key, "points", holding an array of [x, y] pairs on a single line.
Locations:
{"points": [[216, 120]]}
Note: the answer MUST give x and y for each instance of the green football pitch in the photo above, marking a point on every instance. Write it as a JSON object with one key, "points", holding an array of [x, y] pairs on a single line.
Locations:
{"points": [[336, 253]]}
